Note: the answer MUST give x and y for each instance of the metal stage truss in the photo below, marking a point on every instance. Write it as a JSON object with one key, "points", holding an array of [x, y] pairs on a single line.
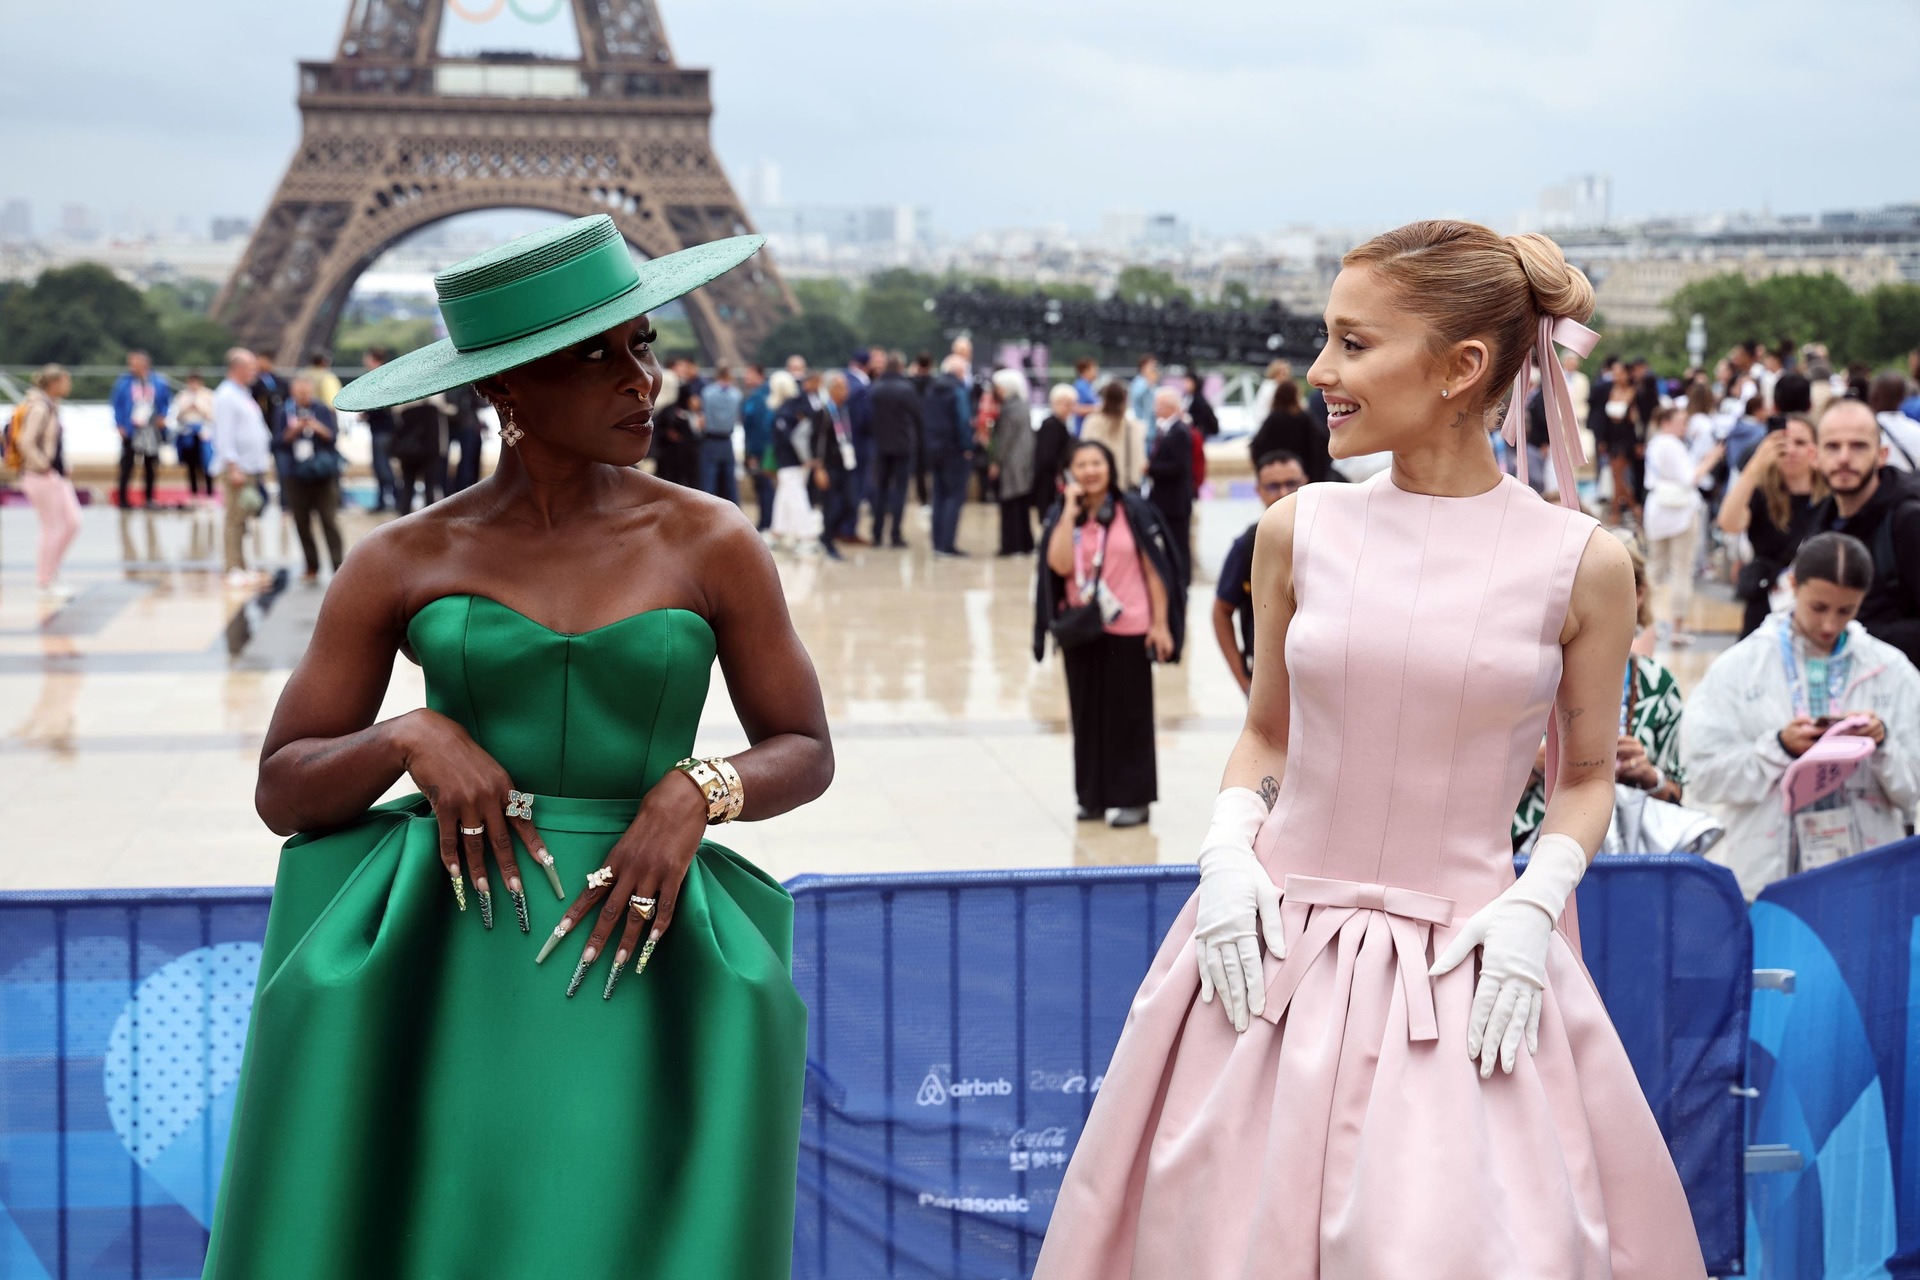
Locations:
{"points": [[1173, 331]]}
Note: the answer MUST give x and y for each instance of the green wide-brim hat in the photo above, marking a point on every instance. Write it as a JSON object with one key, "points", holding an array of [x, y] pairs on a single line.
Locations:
{"points": [[535, 295]]}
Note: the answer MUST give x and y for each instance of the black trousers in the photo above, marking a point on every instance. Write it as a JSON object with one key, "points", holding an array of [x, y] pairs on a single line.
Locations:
{"points": [[147, 460], [416, 471], [890, 496], [1110, 698], [1016, 525], [193, 456], [307, 499]]}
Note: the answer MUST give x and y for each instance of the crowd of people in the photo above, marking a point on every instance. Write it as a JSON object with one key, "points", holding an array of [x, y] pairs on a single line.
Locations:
{"points": [[1791, 482]]}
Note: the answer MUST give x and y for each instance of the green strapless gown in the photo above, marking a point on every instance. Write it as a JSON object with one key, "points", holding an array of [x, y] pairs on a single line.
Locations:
{"points": [[419, 1100]]}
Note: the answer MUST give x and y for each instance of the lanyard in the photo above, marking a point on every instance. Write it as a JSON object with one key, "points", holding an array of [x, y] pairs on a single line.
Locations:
{"points": [[1080, 580], [1825, 675], [1626, 696]]}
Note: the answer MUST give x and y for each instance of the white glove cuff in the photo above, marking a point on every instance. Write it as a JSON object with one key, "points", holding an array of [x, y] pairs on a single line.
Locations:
{"points": [[1557, 864], [1237, 816]]}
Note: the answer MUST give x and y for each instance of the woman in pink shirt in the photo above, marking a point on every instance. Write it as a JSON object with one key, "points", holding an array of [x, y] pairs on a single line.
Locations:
{"points": [[1110, 546]]}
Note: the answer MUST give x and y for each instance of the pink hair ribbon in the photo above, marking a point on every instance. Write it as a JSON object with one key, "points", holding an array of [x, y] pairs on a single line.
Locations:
{"points": [[1564, 440], [1566, 453]]}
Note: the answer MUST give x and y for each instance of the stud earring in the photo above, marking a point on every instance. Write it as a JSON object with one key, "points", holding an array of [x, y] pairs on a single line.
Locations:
{"points": [[1444, 393], [510, 434]]}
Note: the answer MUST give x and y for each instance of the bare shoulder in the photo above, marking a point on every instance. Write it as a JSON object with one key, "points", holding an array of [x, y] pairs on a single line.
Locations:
{"points": [[702, 525], [721, 552], [1273, 542], [1604, 563], [1602, 585]]}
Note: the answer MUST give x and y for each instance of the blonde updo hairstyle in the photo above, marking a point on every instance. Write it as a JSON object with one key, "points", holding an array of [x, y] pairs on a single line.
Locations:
{"points": [[1465, 281]]}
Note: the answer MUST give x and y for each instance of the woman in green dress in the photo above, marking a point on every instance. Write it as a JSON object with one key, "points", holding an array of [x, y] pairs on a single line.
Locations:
{"points": [[421, 1096]]}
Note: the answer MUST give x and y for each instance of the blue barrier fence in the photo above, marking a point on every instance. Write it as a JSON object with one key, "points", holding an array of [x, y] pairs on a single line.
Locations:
{"points": [[1838, 1070], [960, 1023], [959, 1027]]}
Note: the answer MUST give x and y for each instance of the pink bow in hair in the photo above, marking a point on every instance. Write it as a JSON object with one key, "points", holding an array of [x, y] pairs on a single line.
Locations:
{"points": [[1564, 441]]}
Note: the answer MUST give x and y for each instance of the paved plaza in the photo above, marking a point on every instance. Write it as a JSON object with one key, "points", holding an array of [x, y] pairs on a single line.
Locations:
{"points": [[131, 719]]}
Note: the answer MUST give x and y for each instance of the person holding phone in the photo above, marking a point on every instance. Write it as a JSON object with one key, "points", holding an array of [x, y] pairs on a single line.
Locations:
{"points": [[308, 440], [1771, 500], [1767, 700], [1110, 548]]}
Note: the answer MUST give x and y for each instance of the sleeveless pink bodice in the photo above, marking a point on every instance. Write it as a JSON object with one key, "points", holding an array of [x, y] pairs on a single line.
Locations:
{"points": [[1423, 658]]}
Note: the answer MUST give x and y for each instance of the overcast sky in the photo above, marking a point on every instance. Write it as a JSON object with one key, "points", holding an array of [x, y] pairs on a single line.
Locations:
{"points": [[1239, 115]]}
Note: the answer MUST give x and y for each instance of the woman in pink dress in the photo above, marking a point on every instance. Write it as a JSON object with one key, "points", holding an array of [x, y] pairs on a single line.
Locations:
{"points": [[1364, 1051]]}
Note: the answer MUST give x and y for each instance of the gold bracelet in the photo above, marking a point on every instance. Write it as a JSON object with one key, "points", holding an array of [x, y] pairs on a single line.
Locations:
{"points": [[712, 786], [736, 793]]}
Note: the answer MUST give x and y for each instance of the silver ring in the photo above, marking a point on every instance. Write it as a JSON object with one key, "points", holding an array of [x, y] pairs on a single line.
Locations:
{"points": [[600, 879], [473, 831]]}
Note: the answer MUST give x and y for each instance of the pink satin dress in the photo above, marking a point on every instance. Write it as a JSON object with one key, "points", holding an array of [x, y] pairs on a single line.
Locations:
{"points": [[1346, 1135]]}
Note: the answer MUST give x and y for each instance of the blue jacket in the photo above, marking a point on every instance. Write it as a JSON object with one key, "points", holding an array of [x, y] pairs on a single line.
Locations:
{"points": [[756, 422], [122, 399], [859, 410], [949, 419]]}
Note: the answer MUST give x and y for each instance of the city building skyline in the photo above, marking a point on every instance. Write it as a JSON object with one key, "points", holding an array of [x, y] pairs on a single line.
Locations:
{"points": [[1010, 115]]}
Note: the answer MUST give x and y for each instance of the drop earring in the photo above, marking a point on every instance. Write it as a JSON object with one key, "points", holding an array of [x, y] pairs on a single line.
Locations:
{"points": [[510, 434]]}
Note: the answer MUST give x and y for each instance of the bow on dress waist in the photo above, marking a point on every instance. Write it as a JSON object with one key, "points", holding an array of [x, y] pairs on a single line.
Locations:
{"points": [[1563, 440], [1410, 916]]}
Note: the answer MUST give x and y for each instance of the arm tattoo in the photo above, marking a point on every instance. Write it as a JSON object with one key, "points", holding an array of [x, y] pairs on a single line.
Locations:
{"points": [[1270, 791], [1568, 715], [1586, 764]]}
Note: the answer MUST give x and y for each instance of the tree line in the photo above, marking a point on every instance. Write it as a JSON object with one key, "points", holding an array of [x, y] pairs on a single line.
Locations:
{"points": [[1877, 328], [86, 315]]}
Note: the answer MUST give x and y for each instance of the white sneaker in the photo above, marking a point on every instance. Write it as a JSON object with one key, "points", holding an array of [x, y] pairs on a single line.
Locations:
{"points": [[241, 578], [57, 593]]}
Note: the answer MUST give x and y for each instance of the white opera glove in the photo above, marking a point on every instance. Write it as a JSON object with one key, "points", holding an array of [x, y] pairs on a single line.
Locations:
{"points": [[1239, 903], [1513, 932]]}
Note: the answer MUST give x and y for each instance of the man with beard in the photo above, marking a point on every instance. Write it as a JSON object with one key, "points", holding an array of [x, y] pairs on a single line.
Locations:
{"points": [[1872, 502]]}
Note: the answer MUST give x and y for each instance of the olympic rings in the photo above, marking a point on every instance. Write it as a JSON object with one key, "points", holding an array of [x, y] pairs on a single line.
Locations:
{"points": [[494, 8], [524, 16], [488, 14]]}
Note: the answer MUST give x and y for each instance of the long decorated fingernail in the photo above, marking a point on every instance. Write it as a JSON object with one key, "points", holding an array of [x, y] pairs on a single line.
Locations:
{"points": [[520, 910], [460, 890], [559, 932], [619, 967], [579, 972], [545, 860], [486, 906], [646, 954]]}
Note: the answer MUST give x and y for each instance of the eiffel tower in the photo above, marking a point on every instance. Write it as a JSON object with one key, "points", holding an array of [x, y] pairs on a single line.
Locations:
{"points": [[396, 137]]}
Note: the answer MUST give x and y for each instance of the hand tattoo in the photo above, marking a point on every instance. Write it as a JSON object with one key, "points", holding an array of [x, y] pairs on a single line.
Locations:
{"points": [[1270, 791]]}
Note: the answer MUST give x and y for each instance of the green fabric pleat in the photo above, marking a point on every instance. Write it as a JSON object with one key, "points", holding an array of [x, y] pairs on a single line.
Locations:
{"points": [[420, 1100]]}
